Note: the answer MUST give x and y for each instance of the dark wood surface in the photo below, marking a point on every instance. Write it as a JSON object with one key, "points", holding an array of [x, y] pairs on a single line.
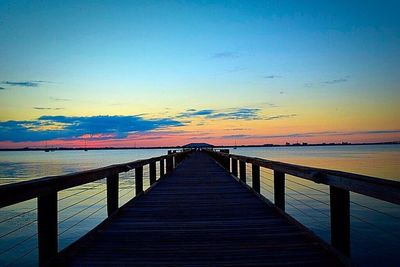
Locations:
{"points": [[198, 216]]}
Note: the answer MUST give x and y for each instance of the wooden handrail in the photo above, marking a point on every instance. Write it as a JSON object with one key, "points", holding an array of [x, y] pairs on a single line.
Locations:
{"points": [[340, 184], [17, 192], [379, 188]]}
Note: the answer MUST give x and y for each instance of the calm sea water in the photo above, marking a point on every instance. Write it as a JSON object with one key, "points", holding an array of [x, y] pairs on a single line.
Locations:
{"points": [[375, 225]]}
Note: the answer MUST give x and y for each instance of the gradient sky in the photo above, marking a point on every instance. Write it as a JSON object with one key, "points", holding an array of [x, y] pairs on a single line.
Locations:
{"points": [[150, 73]]}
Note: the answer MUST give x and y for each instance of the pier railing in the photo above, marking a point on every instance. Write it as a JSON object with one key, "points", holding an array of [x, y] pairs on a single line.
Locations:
{"points": [[340, 185], [46, 191]]}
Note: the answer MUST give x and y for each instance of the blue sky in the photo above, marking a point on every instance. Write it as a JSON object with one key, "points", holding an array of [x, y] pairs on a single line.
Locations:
{"points": [[162, 58]]}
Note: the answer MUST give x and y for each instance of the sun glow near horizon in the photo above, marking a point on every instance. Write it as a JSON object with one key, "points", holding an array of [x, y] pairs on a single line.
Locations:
{"points": [[152, 73]]}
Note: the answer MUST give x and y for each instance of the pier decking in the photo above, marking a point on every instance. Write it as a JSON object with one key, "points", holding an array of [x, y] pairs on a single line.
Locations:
{"points": [[199, 215]]}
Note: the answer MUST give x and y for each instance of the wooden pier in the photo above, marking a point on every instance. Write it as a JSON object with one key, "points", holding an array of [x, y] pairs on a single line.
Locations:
{"points": [[198, 211], [198, 216]]}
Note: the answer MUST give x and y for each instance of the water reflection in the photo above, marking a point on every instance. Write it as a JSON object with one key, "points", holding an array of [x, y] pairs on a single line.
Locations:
{"points": [[81, 208]]}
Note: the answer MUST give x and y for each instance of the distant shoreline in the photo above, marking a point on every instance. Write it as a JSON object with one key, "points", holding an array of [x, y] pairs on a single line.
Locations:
{"points": [[179, 147]]}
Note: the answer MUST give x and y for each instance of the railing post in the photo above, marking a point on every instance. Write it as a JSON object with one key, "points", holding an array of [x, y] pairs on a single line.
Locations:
{"points": [[228, 163], [234, 167], [112, 194], [162, 168], [242, 169], [279, 189], [256, 177], [47, 227], [170, 164], [340, 219], [152, 170], [139, 180]]}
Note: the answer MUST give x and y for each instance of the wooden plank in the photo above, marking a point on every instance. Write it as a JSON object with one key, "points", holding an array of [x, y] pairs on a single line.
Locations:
{"points": [[198, 216]]}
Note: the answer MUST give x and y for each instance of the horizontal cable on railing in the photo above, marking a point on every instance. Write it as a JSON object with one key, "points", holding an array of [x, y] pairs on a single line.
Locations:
{"points": [[82, 210], [305, 204], [270, 186], [265, 170], [267, 173], [75, 224], [18, 243], [374, 226], [378, 211], [320, 201], [320, 222], [19, 228], [364, 237], [267, 190], [307, 186], [81, 191], [128, 191], [82, 200], [22, 256], [18, 215]]}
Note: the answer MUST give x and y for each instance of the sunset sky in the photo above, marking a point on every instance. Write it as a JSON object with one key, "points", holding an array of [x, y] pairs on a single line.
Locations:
{"points": [[160, 73]]}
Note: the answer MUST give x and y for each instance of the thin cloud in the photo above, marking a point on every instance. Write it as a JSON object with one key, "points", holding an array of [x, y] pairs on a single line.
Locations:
{"points": [[228, 114], [236, 129], [272, 76], [24, 83], [270, 105], [234, 114], [201, 137], [237, 136], [59, 99], [2, 88], [276, 117], [225, 54], [46, 108], [335, 81]]}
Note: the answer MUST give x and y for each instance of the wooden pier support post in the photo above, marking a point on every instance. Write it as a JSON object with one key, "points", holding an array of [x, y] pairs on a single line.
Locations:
{"points": [[139, 180], [242, 169], [235, 167], [279, 189], [162, 168], [340, 219], [152, 170], [170, 164], [47, 227], [227, 163], [112, 194], [178, 159], [256, 177]]}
